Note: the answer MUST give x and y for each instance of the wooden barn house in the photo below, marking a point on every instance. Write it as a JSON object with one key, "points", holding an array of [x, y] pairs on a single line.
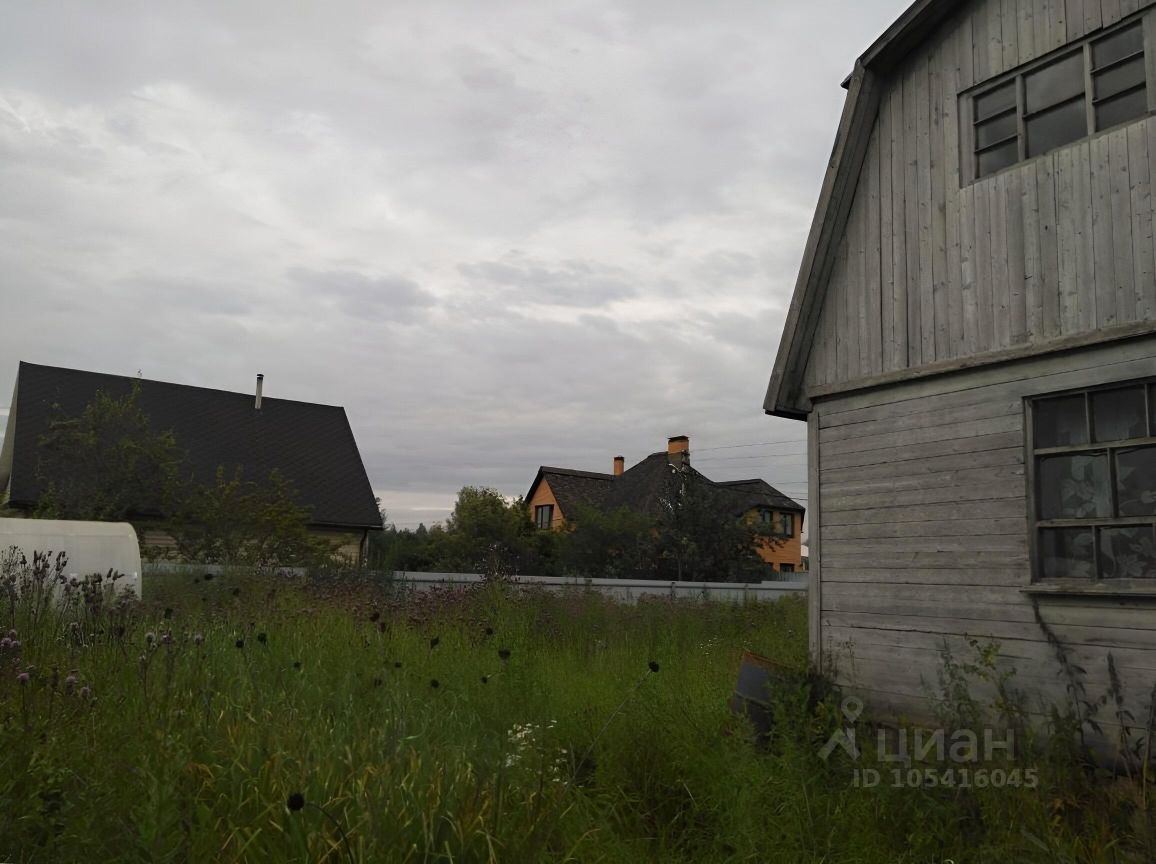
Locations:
{"points": [[972, 343]]}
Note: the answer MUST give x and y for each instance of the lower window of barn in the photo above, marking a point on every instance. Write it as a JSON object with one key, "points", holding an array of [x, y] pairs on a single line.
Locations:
{"points": [[1094, 465]]}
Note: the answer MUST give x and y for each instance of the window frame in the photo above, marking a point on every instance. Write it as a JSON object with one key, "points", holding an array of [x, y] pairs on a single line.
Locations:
{"points": [[969, 126], [1094, 583], [539, 509], [786, 520]]}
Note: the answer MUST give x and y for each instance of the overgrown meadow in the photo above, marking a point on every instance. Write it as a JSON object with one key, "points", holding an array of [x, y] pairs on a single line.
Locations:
{"points": [[264, 718]]}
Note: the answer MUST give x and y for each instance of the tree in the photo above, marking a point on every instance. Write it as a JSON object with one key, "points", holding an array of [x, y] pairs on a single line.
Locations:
{"points": [[237, 521], [107, 464], [486, 532], [618, 544], [700, 538]]}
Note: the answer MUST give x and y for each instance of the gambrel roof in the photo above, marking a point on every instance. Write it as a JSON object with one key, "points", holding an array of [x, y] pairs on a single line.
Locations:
{"points": [[837, 193], [311, 445]]}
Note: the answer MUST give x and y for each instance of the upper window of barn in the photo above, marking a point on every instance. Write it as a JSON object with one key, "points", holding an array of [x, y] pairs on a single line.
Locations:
{"points": [[1084, 88]]}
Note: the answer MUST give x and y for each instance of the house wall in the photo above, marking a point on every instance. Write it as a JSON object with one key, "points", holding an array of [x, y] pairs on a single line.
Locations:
{"points": [[789, 550], [544, 495], [349, 544], [932, 267], [920, 537]]}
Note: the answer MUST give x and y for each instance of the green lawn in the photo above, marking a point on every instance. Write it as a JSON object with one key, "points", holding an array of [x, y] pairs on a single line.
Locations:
{"points": [[410, 738]]}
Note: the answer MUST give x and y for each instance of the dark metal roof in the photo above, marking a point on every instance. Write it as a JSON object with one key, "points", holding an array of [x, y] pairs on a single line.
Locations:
{"points": [[309, 444]]}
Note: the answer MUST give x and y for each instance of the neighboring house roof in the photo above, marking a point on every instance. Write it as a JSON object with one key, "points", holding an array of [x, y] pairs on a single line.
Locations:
{"points": [[643, 486], [574, 489], [311, 445], [837, 193]]}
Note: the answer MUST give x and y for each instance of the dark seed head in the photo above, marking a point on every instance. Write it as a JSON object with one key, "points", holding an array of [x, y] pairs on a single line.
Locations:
{"points": [[168, 612], [374, 615], [296, 664], [485, 679], [434, 684], [489, 631], [504, 653], [262, 638], [240, 643], [396, 664], [652, 666], [377, 682], [208, 577], [296, 802], [236, 592], [433, 643]]}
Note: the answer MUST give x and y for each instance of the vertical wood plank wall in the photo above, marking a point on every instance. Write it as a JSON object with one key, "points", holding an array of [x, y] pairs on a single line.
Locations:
{"points": [[932, 267], [924, 535]]}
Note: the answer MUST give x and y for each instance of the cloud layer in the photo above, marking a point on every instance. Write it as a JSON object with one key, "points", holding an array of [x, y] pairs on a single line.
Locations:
{"points": [[501, 235]]}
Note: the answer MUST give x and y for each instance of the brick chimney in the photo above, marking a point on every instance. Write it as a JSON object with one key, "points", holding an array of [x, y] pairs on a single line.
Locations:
{"points": [[257, 400], [678, 451], [619, 465]]}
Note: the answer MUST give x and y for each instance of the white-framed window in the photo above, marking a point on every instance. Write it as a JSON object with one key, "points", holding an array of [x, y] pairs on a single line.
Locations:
{"points": [[1081, 89], [1092, 464], [543, 515]]}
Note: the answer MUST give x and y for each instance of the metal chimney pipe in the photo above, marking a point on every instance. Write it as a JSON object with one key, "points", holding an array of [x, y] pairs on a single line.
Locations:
{"points": [[257, 401]]}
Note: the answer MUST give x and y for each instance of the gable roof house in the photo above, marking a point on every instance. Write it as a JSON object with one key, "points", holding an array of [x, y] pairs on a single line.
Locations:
{"points": [[972, 343], [557, 494], [311, 445]]}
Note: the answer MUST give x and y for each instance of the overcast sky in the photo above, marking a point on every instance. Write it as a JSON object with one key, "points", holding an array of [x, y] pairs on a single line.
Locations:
{"points": [[501, 234]]}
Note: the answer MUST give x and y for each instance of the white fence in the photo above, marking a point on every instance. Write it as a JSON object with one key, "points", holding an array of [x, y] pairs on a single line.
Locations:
{"points": [[627, 590]]}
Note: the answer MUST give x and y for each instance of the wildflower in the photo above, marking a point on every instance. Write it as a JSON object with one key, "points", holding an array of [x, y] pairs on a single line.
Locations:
{"points": [[5, 644], [396, 664], [489, 631], [504, 654], [150, 637], [374, 615], [296, 802], [23, 677], [70, 682], [485, 679], [434, 684], [198, 639], [85, 692], [167, 637], [433, 643], [12, 634], [262, 638], [236, 592], [377, 682], [168, 612], [240, 643], [652, 666], [296, 664]]}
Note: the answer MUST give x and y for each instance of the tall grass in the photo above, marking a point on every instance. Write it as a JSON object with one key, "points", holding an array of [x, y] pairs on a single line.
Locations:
{"points": [[487, 725]]}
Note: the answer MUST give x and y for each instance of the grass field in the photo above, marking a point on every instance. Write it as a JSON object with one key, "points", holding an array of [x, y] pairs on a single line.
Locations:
{"points": [[248, 718]]}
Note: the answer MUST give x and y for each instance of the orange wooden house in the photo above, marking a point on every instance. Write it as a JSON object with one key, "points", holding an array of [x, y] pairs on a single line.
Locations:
{"points": [[557, 493]]}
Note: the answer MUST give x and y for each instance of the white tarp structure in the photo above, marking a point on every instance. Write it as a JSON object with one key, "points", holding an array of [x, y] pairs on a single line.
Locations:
{"points": [[91, 547]]}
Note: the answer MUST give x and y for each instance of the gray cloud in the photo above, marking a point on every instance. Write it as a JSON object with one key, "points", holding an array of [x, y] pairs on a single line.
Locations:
{"points": [[501, 234]]}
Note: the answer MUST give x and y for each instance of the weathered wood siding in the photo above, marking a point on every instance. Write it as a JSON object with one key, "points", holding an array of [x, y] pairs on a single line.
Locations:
{"points": [[933, 268], [923, 535]]}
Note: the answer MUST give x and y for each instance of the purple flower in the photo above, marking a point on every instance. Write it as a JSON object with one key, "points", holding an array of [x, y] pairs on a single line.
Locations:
{"points": [[12, 634], [198, 639], [85, 692], [70, 682], [5, 644], [23, 677], [15, 646], [150, 637]]}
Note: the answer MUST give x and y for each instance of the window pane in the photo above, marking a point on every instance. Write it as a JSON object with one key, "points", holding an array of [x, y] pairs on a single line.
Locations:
{"points": [[1118, 45], [1055, 83], [1074, 487], [1056, 127], [1060, 421], [994, 130], [1127, 553], [1121, 109], [1066, 553], [1119, 78], [993, 160], [1136, 481], [1118, 414], [995, 101]]}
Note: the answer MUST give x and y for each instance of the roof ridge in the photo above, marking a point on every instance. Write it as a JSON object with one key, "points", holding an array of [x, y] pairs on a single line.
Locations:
{"points": [[576, 472], [216, 390]]}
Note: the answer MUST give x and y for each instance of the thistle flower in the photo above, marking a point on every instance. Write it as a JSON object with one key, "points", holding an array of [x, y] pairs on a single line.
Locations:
{"points": [[85, 692], [434, 683], [5, 643], [295, 802], [23, 677], [168, 612], [374, 615], [262, 638], [485, 679], [489, 631], [433, 643], [70, 682], [396, 664], [240, 643], [504, 654], [12, 634], [150, 637], [296, 664], [652, 666], [198, 639]]}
